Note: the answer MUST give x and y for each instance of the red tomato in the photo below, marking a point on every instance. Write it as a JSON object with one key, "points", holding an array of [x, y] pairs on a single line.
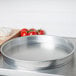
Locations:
{"points": [[40, 32], [23, 32], [32, 33]]}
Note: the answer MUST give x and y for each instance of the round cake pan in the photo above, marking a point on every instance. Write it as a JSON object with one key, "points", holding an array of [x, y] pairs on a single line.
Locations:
{"points": [[37, 52]]}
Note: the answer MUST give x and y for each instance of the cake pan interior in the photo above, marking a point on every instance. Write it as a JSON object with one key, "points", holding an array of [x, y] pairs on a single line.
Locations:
{"points": [[37, 48]]}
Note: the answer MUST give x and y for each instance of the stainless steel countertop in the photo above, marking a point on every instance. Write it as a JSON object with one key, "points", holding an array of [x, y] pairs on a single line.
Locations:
{"points": [[66, 70]]}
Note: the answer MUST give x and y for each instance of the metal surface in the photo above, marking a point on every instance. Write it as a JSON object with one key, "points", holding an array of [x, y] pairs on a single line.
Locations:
{"points": [[37, 52], [11, 72]]}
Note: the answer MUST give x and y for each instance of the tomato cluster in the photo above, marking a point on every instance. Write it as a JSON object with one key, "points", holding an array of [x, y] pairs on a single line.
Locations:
{"points": [[32, 31]]}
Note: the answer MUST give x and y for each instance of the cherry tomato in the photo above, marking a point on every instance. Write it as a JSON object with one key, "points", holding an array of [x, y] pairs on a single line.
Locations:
{"points": [[32, 33], [41, 32], [23, 32]]}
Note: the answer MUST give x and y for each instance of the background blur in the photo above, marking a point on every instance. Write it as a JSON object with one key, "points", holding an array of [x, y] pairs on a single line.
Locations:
{"points": [[56, 17]]}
